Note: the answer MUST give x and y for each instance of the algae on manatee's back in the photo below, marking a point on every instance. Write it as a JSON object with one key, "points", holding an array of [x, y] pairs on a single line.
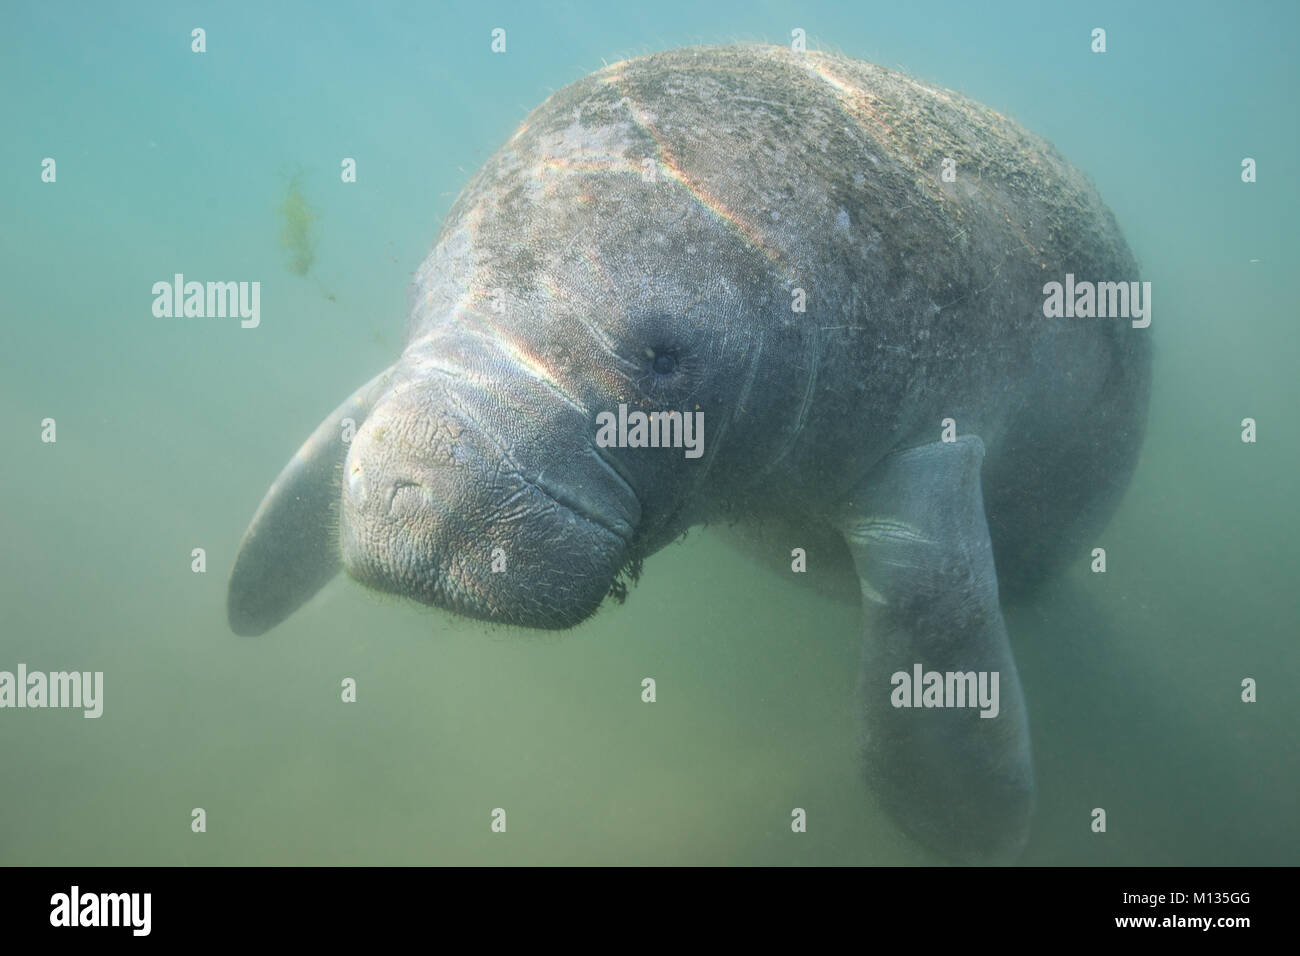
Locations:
{"points": [[296, 228]]}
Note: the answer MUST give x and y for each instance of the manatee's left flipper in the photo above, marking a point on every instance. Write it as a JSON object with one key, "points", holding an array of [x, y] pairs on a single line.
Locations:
{"points": [[960, 783], [290, 550]]}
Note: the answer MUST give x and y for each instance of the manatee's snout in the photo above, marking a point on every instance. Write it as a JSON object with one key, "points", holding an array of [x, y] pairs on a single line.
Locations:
{"points": [[472, 506]]}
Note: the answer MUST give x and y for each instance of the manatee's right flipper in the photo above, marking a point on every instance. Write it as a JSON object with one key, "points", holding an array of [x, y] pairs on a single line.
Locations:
{"points": [[960, 783], [290, 550]]}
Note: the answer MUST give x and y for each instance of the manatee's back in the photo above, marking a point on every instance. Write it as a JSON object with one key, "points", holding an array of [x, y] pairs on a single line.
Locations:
{"points": [[1060, 403], [836, 165]]}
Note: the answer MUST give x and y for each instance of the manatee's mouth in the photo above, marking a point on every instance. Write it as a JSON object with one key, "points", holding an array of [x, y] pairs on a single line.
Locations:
{"points": [[555, 577], [613, 525]]}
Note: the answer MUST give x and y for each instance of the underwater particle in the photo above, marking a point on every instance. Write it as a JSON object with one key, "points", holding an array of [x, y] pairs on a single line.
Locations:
{"points": [[296, 228]]}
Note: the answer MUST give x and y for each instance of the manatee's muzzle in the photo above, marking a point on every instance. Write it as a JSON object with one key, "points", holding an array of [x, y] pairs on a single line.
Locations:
{"points": [[466, 504]]}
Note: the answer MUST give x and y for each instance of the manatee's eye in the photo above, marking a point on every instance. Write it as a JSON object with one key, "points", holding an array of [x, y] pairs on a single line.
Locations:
{"points": [[665, 363]]}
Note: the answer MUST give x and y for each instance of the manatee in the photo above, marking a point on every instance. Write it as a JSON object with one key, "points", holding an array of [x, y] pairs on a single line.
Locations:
{"points": [[763, 242]]}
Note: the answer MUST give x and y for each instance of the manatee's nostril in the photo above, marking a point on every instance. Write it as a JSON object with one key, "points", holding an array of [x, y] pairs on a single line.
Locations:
{"points": [[408, 498]]}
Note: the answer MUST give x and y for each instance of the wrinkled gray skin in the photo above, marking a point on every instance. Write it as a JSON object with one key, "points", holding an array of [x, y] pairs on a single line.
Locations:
{"points": [[561, 277]]}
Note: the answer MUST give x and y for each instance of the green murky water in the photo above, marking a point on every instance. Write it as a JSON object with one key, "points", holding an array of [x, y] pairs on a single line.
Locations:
{"points": [[170, 429]]}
